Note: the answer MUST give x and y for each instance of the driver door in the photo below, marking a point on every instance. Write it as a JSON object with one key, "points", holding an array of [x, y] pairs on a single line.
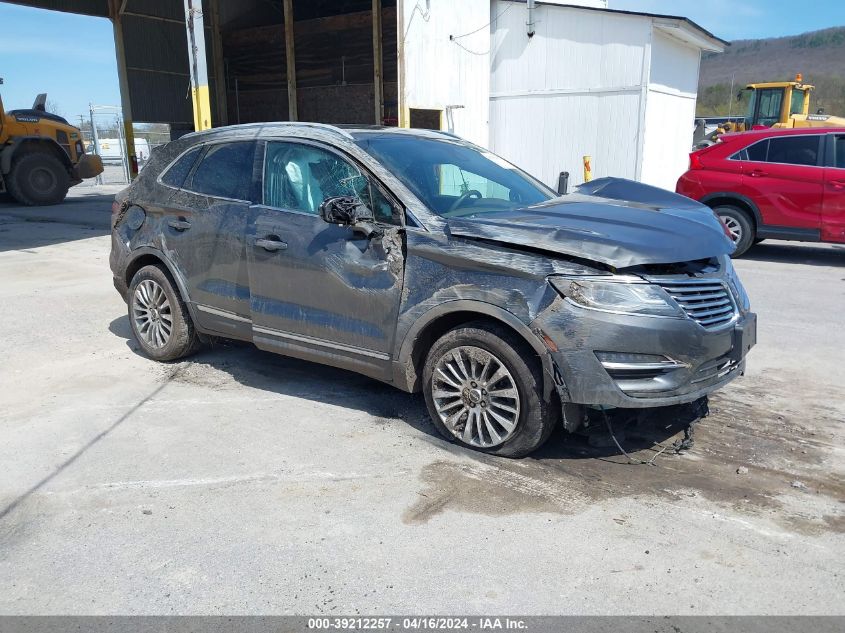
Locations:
{"points": [[322, 291]]}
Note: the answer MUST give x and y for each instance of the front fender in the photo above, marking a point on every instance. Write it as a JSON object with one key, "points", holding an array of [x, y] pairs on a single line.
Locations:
{"points": [[404, 373]]}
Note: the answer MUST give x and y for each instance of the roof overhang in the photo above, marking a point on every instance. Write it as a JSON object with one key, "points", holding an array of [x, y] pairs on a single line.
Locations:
{"points": [[676, 26], [689, 33]]}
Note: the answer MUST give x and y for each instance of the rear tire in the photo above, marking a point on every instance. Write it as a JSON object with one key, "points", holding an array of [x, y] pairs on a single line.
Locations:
{"points": [[740, 225], [38, 179], [159, 318], [511, 419]]}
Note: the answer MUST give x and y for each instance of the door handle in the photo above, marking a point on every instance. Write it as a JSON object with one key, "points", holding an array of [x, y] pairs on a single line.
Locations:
{"points": [[838, 184], [271, 245], [180, 225], [757, 173]]}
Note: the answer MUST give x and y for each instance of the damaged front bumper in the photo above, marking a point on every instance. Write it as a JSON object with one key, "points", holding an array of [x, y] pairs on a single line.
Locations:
{"points": [[616, 360]]}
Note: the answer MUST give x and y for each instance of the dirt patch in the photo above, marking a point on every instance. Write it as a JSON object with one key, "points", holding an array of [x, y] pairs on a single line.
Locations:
{"points": [[749, 456]]}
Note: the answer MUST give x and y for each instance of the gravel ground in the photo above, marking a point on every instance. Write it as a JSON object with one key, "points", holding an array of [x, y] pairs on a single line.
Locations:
{"points": [[243, 482]]}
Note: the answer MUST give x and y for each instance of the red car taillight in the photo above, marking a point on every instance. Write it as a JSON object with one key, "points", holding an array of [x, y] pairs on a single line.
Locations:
{"points": [[695, 161]]}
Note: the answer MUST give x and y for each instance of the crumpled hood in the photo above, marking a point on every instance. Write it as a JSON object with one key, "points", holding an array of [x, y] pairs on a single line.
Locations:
{"points": [[661, 227]]}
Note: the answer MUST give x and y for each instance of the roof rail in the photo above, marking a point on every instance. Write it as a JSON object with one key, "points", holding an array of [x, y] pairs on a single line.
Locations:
{"points": [[320, 126]]}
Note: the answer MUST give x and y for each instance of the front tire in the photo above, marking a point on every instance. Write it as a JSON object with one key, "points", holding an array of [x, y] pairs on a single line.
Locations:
{"points": [[740, 226], [159, 318], [483, 387], [38, 179]]}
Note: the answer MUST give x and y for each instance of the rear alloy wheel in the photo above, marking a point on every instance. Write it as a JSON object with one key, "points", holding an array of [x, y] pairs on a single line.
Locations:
{"points": [[483, 388], [159, 318], [152, 313], [740, 227]]}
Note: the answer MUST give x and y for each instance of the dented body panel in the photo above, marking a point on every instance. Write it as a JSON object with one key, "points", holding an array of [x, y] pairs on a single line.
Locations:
{"points": [[292, 283]]}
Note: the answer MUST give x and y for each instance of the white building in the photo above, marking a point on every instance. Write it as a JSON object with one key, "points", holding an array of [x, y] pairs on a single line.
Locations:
{"points": [[618, 86]]}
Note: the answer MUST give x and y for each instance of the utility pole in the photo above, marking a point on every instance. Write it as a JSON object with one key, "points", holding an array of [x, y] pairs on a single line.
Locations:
{"points": [[731, 96], [99, 179]]}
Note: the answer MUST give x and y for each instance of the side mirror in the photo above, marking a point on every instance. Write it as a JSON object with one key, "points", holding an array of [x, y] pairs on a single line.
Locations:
{"points": [[349, 211], [563, 183]]}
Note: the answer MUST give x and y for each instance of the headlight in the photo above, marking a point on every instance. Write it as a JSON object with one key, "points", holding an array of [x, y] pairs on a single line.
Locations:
{"points": [[624, 296], [738, 290]]}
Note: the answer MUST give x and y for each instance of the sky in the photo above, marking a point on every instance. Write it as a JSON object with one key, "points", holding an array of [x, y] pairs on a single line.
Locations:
{"points": [[747, 19], [71, 57]]}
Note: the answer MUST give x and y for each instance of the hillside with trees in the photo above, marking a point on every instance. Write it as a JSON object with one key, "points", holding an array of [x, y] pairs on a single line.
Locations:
{"points": [[819, 56]]}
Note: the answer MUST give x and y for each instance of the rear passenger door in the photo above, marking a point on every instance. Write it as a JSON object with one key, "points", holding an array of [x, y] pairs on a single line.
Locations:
{"points": [[784, 177], [833, 209], [204, 234]]}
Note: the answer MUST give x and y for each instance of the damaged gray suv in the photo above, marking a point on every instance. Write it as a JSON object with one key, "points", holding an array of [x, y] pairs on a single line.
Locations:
{"points": [[424, 261]]}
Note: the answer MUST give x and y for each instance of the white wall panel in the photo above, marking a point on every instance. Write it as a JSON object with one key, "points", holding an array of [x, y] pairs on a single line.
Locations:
{"points": [[674, 65], [670, 111], [668, 138], [572, 49], [549, 134], [440, 72]]}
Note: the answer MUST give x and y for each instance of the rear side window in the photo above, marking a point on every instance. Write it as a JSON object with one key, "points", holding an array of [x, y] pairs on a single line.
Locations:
{"points": [[225, 171], [179, 170], [758, 151], [794, 150], [839, 152]]}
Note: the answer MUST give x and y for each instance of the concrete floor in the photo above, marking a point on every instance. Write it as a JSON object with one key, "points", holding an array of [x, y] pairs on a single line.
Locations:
{"points": [[242, 482]]}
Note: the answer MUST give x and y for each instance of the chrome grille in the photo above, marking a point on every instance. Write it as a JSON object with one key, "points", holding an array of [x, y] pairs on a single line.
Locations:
{"points": [[707, 301]]}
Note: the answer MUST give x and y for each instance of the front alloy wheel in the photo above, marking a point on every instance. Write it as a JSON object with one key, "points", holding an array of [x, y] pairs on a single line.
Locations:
{"points": [[483, 387], [475, 396]]}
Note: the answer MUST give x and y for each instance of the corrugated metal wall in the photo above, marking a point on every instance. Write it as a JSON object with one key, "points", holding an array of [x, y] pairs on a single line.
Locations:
{"points": [[575, 88], [441, 72]]}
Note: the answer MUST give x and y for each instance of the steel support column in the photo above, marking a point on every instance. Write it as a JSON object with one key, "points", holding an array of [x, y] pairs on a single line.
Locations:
{"points": [[378, 81], [198, 64], [116, 9]]}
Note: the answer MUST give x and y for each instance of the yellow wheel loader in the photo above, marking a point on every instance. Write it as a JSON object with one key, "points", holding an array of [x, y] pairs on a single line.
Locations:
{"points": [[41, 155], [781, 104]]}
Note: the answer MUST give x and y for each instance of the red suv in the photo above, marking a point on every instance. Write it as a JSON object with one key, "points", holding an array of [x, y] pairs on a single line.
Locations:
{"points": [[786, 184]]}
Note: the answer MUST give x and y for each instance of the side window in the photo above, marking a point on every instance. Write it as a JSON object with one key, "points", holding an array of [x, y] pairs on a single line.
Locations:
{"points": [[794, 150], [758, 151], [300, 177], [225, 171], [839, 152], [179, 170]]}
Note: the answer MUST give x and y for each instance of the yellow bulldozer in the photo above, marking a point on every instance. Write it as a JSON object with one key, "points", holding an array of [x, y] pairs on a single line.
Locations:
{"points": [[41, 155]]}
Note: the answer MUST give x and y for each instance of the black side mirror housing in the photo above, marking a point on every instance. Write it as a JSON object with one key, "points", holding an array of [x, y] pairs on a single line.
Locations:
{"points": [[349, 211]]}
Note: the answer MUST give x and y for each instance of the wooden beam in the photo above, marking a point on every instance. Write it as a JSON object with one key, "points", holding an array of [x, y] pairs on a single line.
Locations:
{"points": [[378, 88], [290, 59], [219, 74]]}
